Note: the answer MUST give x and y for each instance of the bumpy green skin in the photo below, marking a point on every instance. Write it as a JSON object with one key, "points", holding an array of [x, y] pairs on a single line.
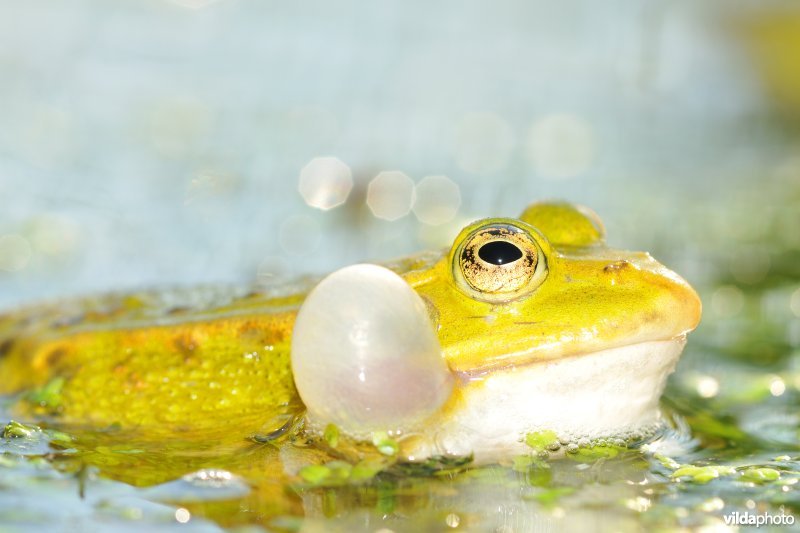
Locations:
{"points": [[186, 370]]}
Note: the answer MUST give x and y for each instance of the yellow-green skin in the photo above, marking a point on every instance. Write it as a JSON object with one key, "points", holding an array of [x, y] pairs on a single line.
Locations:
{"points": [[223, 369]]}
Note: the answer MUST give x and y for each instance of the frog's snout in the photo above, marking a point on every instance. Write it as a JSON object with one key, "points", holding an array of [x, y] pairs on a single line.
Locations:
{"points": [[365, 355], [674, 309], [691, 308], [679, 306]]}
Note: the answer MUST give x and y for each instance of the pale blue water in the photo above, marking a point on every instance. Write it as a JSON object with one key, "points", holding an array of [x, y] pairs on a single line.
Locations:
{"points": [[155, 143]]}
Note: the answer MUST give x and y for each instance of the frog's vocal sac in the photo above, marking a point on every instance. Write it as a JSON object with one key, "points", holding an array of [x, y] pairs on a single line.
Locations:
{"points": [[525, 324]]}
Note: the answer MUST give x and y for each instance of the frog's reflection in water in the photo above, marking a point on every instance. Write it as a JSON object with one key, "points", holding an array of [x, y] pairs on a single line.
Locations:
{"points": [[260, 485]]}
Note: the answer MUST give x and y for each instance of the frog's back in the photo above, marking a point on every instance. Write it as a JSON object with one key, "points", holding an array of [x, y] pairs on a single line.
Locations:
{"points": [[167, 358]]}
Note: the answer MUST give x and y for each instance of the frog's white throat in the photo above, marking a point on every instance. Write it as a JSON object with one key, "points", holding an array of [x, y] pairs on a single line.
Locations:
{"points": [[609, 393]]}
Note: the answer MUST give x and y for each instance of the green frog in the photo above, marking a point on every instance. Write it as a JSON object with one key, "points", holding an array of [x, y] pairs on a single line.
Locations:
{"points": [[524, 325]]}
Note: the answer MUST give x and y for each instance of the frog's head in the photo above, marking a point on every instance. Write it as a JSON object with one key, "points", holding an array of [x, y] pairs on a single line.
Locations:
{"points": [[545, 286], [539, 324]]}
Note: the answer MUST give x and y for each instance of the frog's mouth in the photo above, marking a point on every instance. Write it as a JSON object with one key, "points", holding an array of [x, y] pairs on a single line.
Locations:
{"points": [[530, 358], [608, 393]]}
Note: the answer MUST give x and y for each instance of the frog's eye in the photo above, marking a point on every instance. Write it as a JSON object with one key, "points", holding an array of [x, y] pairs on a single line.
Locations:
{"points": [[498, 262]]}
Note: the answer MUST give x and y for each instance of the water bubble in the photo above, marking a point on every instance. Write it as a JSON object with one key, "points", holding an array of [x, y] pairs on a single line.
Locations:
{"points": [[182, 515], [390, 195], [211, 484], [560, 146], [776, 386], [707, 387], [452, 520], [365, 356], [325, 183], [572, 447], [713, 504], [15, 252], [437, 200], [639, 504], [210, 477]]}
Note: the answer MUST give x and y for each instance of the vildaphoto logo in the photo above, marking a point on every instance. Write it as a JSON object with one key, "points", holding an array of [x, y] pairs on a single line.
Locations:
{"points": [[758, 519]]}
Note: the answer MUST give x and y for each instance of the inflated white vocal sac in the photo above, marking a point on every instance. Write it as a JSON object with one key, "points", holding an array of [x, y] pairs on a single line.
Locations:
{"points": [[365, 355]]}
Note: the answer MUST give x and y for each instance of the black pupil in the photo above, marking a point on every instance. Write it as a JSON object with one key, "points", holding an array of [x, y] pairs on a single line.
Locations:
{"points": [[499, 252]]}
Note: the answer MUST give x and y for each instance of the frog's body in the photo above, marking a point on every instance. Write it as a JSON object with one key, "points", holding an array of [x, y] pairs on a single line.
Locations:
{"points": [[584, 349]]}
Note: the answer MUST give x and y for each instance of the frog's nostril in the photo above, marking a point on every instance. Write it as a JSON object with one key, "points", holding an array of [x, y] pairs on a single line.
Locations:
{"points": [[499, 252], [617, 266]]}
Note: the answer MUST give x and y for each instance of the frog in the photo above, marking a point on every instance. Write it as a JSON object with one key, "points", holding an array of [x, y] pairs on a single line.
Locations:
{"points": [[524, 325]]}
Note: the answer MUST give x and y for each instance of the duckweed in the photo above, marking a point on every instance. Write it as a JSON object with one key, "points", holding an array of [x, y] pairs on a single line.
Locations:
{"points": [[366, 469], [331, 435], [17, 430], [542, 440], [593, 453], [667, 462], [315, 474], [702, 474], [385, 444], [338, 473], [760, 474]]}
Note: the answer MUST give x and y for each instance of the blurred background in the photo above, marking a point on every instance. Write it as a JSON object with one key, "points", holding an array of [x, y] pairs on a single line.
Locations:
{"points": [[155, 143], [161, 142]]}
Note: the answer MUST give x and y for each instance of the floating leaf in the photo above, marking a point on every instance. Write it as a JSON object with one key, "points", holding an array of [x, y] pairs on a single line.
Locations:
{"points": [[594, 453], [17, 430], [667, 462], [315, 474], [385, 444], [703, 474], [540, 441], [331, 435], [760, 475], [366, 469]]}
